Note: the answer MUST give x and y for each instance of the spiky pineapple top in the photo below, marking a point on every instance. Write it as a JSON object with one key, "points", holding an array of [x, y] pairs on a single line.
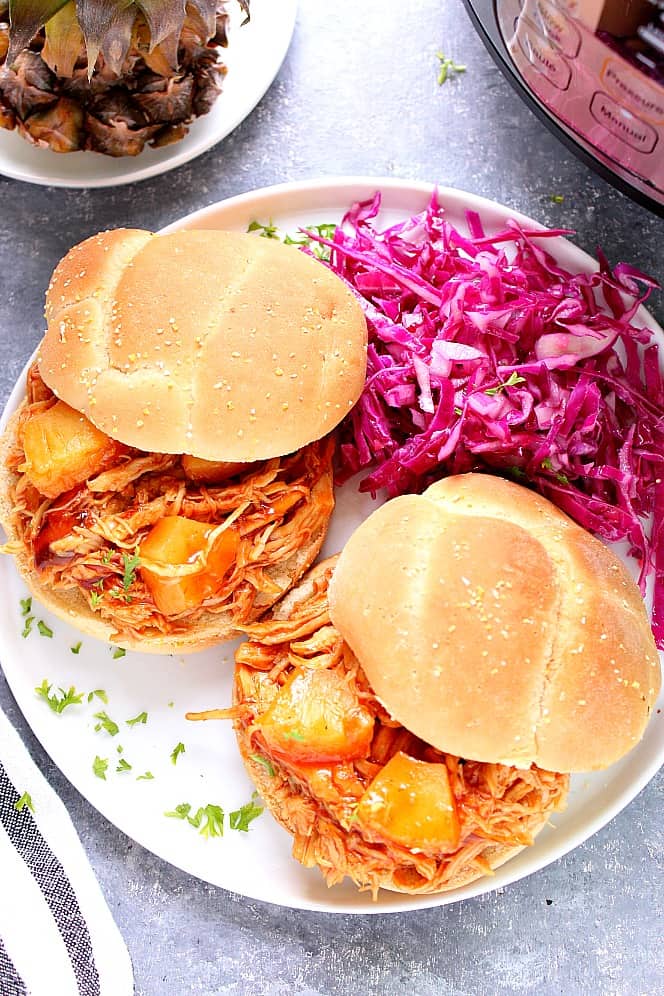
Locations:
{"points": [[109, 75]]}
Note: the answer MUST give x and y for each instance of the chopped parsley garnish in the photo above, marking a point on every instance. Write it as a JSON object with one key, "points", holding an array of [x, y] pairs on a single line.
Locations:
{"points": [[268, 231], [558, 198], [171, 704], [240, 818], [25, 800], [208, 820], [141, 718], [325, 231], [106, 723], [95, 598], [447, 68], [147, 776], [177, 750], [44, 630], [129, 564], [100, 766], [106, 557], [119, 748], [76, 649], [27, 628], [72, 697], [180, 812], [26, 606], [100, 693], [123, 765], [513, 379], [548, 465], [259, 759], [118, 652]]}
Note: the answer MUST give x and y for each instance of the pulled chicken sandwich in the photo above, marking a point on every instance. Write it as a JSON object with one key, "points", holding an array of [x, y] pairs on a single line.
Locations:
{"points": [[412, 709], [169, 475]]}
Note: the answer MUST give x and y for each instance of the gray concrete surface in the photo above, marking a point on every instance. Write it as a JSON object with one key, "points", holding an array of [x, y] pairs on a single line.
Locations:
{"points": [[358, 94]]}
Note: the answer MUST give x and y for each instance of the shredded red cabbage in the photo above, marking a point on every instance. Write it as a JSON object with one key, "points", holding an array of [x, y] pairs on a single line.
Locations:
{"points": [[486, 354]]}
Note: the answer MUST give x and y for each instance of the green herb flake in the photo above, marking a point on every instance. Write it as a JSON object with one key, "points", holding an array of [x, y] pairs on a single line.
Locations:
{"points": [[294, 735], [58, 704], [447, 68], [177, 750], [513, 379], [27, 628], [44, 630], [118, 652], [240, 818], [259, 759], [25, 800], [147, 776], [100, 766], [100, 693], [209, 821], [106, 723], [171, 704], [304, 238], [141, 718], [268, 231], [95, 598], [76, 649], [129, 564], [119, 748], [123, 765], [106, 556], [557, 198], [26, 606], [180, 812]]}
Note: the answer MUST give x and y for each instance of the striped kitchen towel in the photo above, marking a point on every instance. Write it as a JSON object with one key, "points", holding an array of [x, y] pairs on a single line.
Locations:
{"points": [[57, 935]]}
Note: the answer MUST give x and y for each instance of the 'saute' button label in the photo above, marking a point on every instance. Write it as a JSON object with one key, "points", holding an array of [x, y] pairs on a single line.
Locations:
{"points": [[622, 123], [542, 55]]}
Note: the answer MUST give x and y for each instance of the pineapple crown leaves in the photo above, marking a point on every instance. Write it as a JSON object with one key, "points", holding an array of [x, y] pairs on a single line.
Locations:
{"points": [[104, 25], [26, 17]]}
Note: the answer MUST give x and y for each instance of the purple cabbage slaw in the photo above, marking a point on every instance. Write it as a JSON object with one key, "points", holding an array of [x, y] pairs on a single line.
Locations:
{"points": [[486, 354]]}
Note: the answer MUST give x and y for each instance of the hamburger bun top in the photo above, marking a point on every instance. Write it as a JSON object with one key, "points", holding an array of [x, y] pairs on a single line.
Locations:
{"points": [[222, 345], [495, 628]]}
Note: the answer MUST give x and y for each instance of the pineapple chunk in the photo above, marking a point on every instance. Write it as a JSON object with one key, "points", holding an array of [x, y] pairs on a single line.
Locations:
{"points": [[176, 540], [316, 719], [210, 471], [62, 448], [411, 803]]}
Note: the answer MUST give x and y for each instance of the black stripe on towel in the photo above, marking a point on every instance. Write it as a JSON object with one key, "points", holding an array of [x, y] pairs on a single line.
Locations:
{"points": [[11, 983], [54, 884]]}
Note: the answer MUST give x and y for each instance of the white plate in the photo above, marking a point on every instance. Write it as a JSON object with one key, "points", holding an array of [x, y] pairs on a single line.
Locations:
{"points": [[257, 864], [253, 57]]}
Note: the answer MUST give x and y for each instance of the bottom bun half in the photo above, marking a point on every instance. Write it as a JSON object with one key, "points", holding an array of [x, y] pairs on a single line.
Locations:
{"points": [[69, 603], [323, 834]]}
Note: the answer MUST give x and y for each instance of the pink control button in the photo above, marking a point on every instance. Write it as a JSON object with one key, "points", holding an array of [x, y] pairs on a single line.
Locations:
{"points": [[622, 123], [542, 55], [555, 26]]}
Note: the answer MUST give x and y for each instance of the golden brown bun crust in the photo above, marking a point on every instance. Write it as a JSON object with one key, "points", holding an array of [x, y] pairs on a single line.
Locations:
{"points": [[493, 627], [219, 344], [72, 606]]}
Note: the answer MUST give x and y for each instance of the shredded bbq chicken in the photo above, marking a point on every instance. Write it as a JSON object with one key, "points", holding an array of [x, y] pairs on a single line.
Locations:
{"points": [[498, 807], [87, 538]]}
